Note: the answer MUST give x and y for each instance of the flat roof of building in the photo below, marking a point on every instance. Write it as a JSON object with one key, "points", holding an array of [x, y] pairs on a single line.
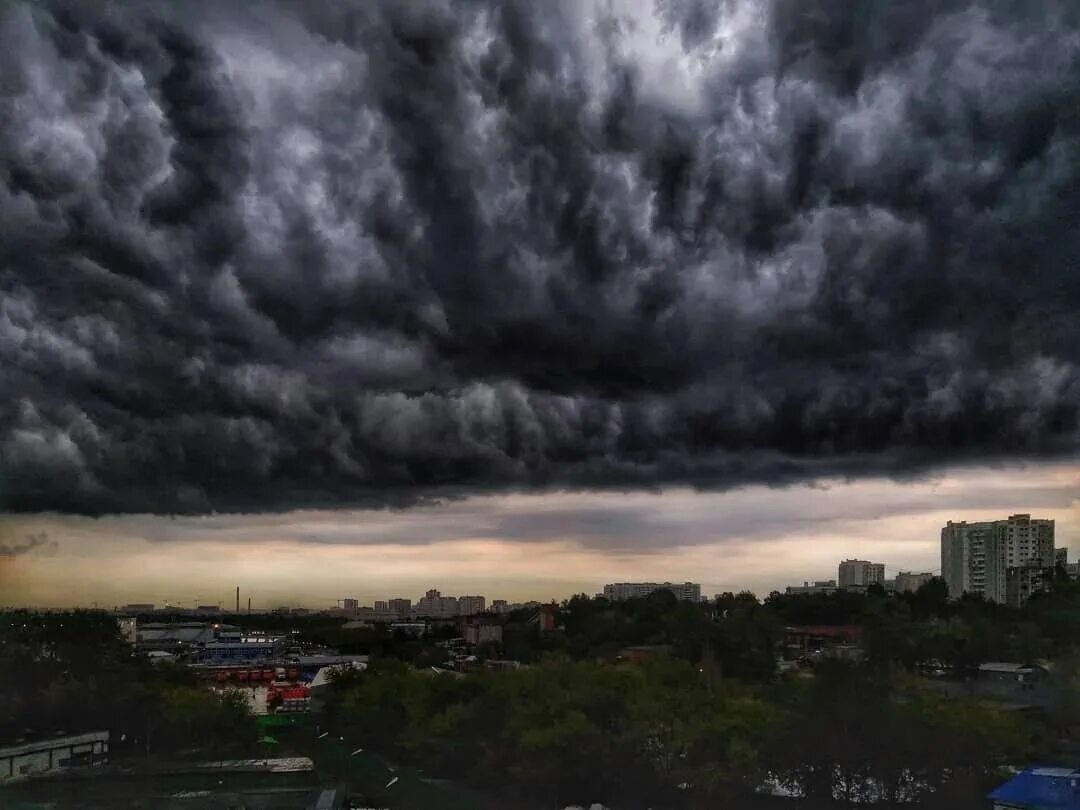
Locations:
{"points": [[45, 743], [274, 765], [1006, 667], [1041, 788]]}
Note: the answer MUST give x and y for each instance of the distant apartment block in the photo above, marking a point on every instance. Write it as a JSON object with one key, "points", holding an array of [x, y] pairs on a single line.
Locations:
{"points": [[619, 591], [500, 606], [482, 632], [860, 574], [349, 604], [976, 557], [908, 581], [820, 586], [402, 607], [434, 605], [382, 606], [471, 605]]}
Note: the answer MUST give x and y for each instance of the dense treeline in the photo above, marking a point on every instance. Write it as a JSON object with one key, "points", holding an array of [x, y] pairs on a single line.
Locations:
{"points": [[669, 734], [73, 672], [741, 635], [708, 718]]}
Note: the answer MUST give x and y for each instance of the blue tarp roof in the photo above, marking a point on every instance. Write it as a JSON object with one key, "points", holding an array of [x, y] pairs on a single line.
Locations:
{"points": [[1041, 789]]}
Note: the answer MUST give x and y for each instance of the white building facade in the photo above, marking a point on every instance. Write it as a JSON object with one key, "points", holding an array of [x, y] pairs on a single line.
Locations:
{"points": [[619, 591], [976, 557]]}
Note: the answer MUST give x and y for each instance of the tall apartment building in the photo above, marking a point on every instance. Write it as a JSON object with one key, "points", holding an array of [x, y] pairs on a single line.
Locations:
{"points": [[618, 591], [908, 581], [430, 604], [435, 605], [402, 607], [976, 557], [500, 606], [382, 607], [349, 604], [860, 574], [471, 605]]}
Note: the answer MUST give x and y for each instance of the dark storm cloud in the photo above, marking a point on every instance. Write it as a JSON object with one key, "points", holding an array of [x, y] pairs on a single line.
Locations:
{"points": [[273, 255]]}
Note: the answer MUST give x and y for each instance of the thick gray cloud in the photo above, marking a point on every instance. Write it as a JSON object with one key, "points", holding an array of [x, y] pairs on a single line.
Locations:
{"points": [[318, 253], [39, 542]]}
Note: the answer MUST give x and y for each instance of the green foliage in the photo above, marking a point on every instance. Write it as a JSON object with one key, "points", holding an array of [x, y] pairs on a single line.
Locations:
{"points": [[664, 734], [194, 718], [566, 730], [72, 671], [858, 734]]}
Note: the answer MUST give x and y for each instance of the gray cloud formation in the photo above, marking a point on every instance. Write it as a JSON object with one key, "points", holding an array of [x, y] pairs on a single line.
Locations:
{"points": [[38, 542], [319, 253]]}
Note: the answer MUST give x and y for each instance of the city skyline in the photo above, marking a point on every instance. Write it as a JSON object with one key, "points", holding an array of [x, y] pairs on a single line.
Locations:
{"points": [[774, 538], [379, 317]]}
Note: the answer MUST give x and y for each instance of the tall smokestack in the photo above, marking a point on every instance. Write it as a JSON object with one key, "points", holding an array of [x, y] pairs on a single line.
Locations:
{"points": [[237, 598], [249, 605]]}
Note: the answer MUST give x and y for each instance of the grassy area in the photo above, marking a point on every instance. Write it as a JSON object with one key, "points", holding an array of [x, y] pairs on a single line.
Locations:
{"points": [[371, 776], [137, 791]]}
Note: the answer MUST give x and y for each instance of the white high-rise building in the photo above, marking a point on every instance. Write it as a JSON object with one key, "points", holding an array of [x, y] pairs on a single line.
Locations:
{"points": [[976, 557], [860, 574]]}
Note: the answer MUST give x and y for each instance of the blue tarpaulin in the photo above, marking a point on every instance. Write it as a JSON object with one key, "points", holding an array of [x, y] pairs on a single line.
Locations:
{"points": [[1040, 789]]}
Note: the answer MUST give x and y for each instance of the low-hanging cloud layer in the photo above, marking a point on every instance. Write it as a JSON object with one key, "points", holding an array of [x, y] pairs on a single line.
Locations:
{"points": [[314, 253]]}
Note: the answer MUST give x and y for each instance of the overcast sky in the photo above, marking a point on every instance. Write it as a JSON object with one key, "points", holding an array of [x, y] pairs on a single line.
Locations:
{"points": [[511, 269]]}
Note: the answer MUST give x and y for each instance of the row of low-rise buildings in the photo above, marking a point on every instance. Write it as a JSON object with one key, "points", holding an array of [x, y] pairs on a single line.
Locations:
{"points": [[859, 575], [432, 605]]}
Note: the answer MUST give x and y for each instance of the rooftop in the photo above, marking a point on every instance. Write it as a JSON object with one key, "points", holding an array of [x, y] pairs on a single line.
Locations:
{"points": [[44, 742], [1008, 667], [1040, 788]]}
